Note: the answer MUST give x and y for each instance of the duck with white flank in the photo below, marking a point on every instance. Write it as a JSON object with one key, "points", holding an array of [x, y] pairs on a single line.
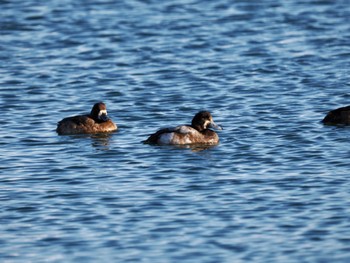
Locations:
{"points": [[199, 132]]}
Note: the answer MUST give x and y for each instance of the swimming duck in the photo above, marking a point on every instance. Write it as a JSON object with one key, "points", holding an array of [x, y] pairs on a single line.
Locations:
{"points": [[95, 122], [199, 132], [338, 116]]}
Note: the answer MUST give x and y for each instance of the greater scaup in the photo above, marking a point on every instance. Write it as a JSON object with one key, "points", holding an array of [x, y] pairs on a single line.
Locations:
{"points": [[338, 116], [199, 132], [95, 122]]}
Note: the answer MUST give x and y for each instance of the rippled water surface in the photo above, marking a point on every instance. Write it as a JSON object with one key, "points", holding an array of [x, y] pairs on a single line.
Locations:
{"points": [[276, 188]]}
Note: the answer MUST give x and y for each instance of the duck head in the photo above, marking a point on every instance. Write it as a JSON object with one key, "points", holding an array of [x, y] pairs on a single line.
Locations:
{"points": [[203, 120], [99, 112]]}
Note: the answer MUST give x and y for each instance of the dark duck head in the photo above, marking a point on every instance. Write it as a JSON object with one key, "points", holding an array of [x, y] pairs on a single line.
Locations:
{"points": [[99, 112], [203, 120]]}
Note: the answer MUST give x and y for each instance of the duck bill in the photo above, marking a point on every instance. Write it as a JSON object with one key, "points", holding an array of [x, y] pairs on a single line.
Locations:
{"points": [[215, 126], [103, 117]]}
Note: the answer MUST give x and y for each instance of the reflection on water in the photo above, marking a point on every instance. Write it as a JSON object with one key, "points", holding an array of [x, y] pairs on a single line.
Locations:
{"points": [[196, 148], [101, 141]]}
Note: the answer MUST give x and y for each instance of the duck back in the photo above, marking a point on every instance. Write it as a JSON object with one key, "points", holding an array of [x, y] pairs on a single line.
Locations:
{"points": [[82, 125], [338, 116]]}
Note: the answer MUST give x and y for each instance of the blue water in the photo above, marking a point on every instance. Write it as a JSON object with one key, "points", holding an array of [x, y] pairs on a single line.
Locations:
{"points": [[276, 188]]}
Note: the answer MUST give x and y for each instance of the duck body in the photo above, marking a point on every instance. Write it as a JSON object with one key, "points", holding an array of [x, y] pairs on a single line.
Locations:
{"points": [[338, 116], [95, 122], [198, 132]]}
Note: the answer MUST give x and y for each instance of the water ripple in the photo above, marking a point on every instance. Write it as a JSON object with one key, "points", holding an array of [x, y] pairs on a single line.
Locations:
{"points": [[274, 189]]}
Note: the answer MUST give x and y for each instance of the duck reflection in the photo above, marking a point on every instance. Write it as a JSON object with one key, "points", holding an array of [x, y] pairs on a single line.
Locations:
{"points": [[197, 148], [101, 141], [192, 147]]}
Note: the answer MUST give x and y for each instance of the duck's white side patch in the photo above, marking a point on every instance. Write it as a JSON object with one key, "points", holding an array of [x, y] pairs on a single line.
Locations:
{"points": [[166, 138], [184, 129], [186, 140]]}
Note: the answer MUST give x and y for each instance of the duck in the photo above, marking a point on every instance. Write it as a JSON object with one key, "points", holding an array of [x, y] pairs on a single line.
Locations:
{"points": [[338, 116], [199, 132], [95, 122]]}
